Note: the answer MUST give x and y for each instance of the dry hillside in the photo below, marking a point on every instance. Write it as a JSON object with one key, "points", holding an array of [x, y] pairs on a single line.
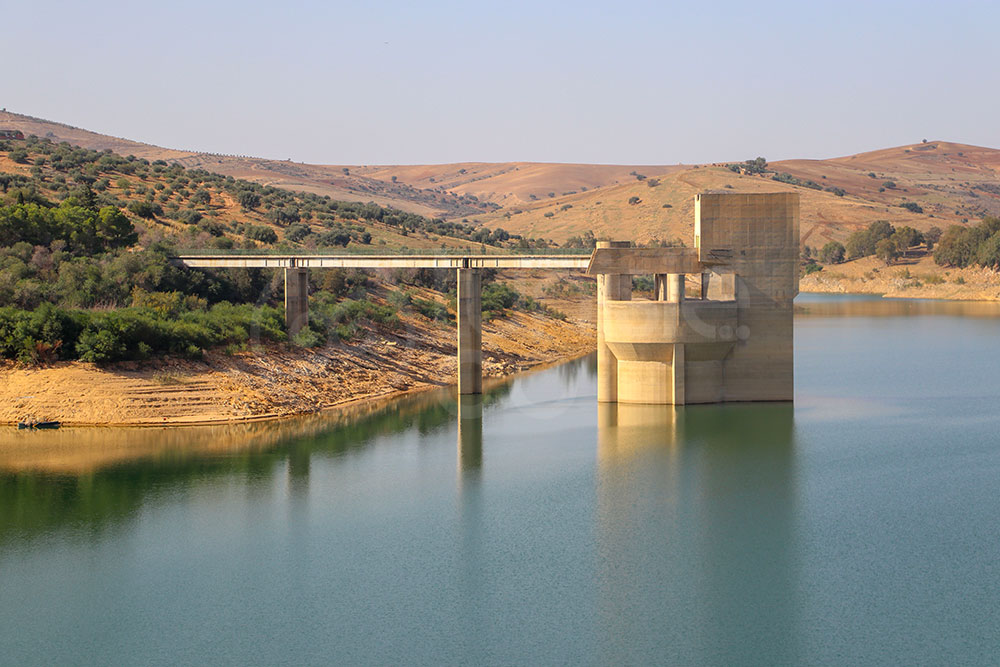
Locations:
{"points": [[319, 179], [949, 182], [512, 184]]}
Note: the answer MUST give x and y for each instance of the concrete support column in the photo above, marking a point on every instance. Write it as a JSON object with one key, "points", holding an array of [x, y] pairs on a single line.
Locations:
{"points": [[675, 287], [677, 374], [470, 332], [296, 299], [610, 287], [660, 287]]}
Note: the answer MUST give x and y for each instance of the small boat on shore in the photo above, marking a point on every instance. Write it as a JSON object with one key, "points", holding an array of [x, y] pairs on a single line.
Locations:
{"points": [[37, 425]]}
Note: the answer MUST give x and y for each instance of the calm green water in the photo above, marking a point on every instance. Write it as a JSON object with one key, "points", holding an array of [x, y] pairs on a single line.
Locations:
{"points": [[859, 526]]}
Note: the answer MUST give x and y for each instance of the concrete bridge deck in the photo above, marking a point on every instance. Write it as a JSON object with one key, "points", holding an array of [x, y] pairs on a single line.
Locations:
{"points": [[385, 261]]}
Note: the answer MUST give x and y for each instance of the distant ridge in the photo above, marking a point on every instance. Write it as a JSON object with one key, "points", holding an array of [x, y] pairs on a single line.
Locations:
{"points": [[948, 182]]}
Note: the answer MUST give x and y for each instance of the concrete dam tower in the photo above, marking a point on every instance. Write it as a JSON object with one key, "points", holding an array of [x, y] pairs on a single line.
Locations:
{"points": [[720, 327]]}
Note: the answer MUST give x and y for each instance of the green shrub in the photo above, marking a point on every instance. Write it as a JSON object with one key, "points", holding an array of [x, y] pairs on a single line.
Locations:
{"points": [[811, 268], [345, 317], [144, 209], [433, 310], [307, 337], [260, 233], [134, 333], [497, 298], [400, 299]]}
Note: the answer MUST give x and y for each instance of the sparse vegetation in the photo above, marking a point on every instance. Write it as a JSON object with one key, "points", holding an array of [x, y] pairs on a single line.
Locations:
{"points": [[791, 180]]}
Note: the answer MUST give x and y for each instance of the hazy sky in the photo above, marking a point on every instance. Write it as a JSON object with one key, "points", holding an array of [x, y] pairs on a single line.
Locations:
{"points": [[375, 82]]}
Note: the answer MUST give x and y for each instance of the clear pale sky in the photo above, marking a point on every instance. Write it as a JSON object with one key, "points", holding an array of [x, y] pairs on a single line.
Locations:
{"points": [[380, 82]]}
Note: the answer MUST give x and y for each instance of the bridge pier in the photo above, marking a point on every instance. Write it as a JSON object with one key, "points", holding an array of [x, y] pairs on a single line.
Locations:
{"points": [[296, 299], [470, 332]]}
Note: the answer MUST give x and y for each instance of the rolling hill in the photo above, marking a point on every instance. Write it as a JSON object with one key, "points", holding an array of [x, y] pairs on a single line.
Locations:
{"points": [[923, 185], [941, 183]]}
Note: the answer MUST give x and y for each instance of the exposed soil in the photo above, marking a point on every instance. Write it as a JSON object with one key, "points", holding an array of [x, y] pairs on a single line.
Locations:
{"points": [[278, 380]]}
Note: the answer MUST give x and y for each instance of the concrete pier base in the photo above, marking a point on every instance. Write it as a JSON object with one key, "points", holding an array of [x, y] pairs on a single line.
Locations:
{"points": [[296, 299], [470, 332]]}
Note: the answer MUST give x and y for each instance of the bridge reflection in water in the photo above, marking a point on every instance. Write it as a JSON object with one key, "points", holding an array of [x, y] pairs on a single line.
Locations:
{"points": [[707, 491], [470, 433]]}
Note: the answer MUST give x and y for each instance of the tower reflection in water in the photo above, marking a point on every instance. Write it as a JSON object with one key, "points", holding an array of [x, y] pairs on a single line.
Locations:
{"points": [[695, 514]]}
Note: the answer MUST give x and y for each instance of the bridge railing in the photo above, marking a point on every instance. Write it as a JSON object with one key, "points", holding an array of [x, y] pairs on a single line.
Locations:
{"points": [[380, 251]]}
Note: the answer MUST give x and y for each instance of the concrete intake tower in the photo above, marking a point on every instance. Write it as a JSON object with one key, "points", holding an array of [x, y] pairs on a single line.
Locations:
{"points": [[720, 327]]}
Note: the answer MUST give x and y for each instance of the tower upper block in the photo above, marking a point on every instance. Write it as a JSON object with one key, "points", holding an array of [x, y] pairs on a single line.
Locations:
{"points": [[720, 328]]}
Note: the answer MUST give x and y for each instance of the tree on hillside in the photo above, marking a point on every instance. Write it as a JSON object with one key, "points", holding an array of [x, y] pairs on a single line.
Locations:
{"points": [[954, 248], [114, 229], [201, 197], [144, 209], [248, 199], [755, 166], [931, 237], [886, 250], [832, 253], [906, 237], [862, 243], [988, 253], [588, 240]]}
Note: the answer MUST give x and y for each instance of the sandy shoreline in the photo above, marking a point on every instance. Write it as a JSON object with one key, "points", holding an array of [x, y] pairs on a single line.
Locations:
{"points": [[276, 382]]}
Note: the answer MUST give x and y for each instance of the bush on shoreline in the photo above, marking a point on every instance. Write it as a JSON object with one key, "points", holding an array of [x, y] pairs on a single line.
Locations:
{"points": [[50, 332]]}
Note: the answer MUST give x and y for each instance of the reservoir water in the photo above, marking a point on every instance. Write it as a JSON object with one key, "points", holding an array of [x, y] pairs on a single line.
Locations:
{"points": [[860, 525]]}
